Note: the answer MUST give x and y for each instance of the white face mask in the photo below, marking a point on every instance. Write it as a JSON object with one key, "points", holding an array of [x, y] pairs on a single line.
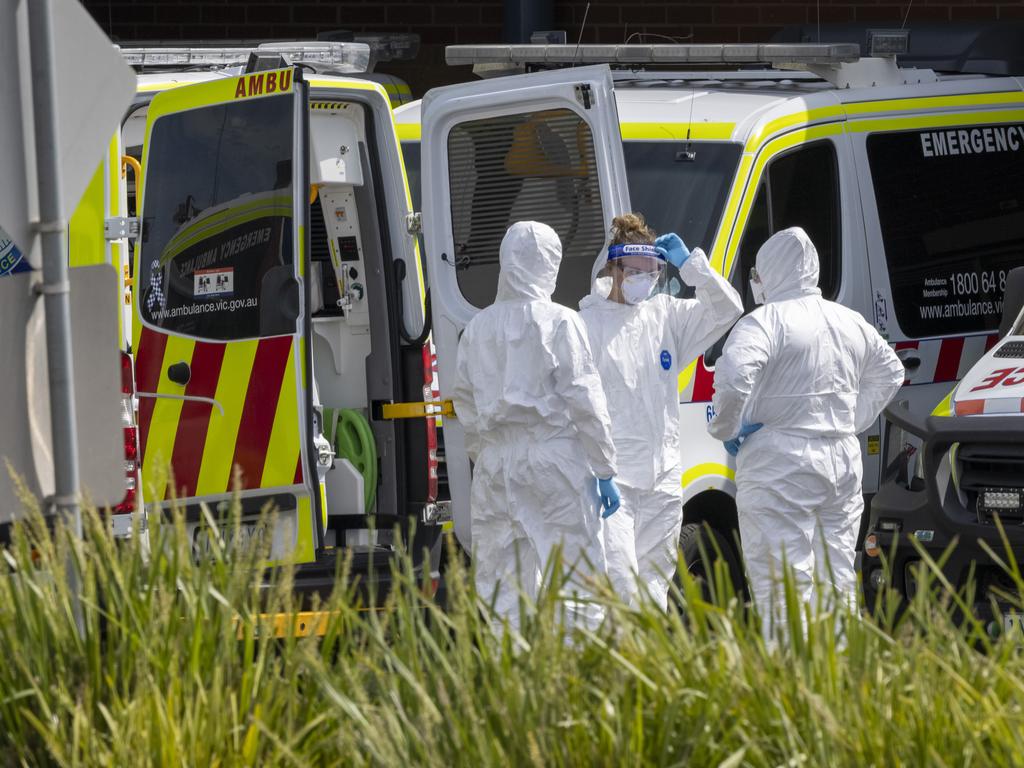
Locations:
{"points": [[757, 291], [637, 288]]}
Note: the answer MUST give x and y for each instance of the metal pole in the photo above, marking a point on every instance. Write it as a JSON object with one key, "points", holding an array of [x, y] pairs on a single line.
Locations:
{"points": [[55, 287]]}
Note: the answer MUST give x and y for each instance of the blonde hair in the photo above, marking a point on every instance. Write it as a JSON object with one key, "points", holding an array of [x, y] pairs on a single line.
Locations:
{"points": [[630, 228]]}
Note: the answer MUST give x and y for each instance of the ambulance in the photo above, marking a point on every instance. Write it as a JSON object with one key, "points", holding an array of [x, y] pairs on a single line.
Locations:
{"points": [[278, 330], [909, 180], [97, 234], [954, 483]]}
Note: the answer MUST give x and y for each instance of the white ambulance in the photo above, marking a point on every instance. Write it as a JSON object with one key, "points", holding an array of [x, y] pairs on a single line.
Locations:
{"points": [[910, 182]]}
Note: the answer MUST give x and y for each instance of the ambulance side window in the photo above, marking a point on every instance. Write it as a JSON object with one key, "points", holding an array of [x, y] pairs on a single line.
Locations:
{"points": [[951, 209], [536, 166], [798, 189], [804, 188], [216, 259]]}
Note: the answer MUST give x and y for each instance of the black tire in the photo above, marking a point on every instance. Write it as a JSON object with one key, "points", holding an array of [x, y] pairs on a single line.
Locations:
{"points": [[697, 541]]}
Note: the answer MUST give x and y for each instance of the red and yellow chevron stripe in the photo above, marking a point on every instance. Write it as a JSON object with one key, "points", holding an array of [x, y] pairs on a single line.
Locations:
{"points": [[239, 410], [942, 360]]}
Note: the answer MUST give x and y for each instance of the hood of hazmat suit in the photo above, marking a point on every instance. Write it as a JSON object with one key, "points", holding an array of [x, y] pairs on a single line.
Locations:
{"points": [[640, 351], [815, 374], [529, 399]]}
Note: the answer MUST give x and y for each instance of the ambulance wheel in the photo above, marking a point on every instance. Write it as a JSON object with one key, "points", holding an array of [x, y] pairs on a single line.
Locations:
{"points": [[700, 545]]}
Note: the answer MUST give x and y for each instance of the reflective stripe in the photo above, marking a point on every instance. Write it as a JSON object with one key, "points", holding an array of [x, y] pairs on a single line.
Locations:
{"points": [[745, 189], [685, 381], [163, 426], [86, 243], [945, 360], [283, 450], [943, 120], [260, 408], [945, 408], [696, 383], [304, 550], [194, 423], [219, 447], [992, 406], [408, 131], [149, 349], [787, 122], [934, 102], [712, 469]]}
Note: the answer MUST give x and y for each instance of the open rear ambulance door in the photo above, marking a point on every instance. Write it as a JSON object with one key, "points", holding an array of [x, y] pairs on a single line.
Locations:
{"points": [[221, 323], [544, 147]]}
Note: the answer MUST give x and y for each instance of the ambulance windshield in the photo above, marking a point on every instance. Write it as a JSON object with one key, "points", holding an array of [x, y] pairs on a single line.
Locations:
{"points": [[681, 188]]}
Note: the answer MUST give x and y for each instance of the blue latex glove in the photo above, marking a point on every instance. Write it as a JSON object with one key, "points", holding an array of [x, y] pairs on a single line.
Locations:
{"points": [[733, 446], [610, 499], [671, 246]]}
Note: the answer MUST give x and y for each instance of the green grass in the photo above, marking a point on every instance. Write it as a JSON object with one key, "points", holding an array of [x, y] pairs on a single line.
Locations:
{"points": [[162, 678]]}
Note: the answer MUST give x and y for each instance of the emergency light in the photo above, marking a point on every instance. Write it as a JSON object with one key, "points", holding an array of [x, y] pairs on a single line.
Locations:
{"points": [[349, 58], [776, 54]]}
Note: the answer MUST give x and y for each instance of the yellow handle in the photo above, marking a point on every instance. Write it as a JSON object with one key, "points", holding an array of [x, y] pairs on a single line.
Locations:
{"points": [[136, 166], [417, 410]]}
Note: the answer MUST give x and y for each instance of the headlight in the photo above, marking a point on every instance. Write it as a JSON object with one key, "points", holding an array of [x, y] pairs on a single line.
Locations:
{"points": [[1000, 499]]}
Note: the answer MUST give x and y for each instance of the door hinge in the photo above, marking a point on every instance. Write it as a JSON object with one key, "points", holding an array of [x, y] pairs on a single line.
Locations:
{"points": [[414, 223], [416, 410], [584, 95], [119, 227]]}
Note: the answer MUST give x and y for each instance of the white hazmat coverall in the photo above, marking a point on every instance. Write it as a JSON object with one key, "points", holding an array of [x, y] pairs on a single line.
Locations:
{"points": [[537, 428], [815, 374], [640, 350]]}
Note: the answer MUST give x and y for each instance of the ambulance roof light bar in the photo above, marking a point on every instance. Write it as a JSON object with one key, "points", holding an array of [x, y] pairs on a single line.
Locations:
{"points": [[349, 58], [663, 54]]}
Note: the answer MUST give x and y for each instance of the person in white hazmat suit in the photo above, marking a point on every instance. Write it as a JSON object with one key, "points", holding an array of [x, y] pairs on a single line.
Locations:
{"points": [[641, 341], [530, 401], [813, 374]]}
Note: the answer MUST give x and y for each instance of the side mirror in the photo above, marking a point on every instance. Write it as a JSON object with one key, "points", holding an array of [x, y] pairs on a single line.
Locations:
{"points": [[1013, 300]]}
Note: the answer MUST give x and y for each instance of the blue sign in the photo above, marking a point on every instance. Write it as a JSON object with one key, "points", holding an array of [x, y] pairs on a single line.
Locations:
{"points": [[666, 359], [11, 259]]}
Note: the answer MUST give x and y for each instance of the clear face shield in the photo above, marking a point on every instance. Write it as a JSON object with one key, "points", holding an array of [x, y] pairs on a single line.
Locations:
{"points": [[638, 269]]}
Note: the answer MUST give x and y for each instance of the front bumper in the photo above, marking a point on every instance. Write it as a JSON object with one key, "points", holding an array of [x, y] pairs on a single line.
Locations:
{"points": [[932, 514]]}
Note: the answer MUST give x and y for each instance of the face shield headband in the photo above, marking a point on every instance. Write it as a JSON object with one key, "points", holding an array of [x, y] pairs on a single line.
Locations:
{"points": [[633, 249]]}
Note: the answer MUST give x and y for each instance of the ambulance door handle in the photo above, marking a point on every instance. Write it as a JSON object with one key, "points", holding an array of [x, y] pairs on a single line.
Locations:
{"points": [[910, 358], [179, 373]]}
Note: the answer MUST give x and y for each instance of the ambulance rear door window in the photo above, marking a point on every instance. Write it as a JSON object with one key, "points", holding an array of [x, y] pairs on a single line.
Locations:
{"points": [[217, 259], [951, 207], [535, 166]]}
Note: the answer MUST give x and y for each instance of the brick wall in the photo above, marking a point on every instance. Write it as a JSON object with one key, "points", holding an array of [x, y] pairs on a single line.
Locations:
{"points": [[467, 21]]}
